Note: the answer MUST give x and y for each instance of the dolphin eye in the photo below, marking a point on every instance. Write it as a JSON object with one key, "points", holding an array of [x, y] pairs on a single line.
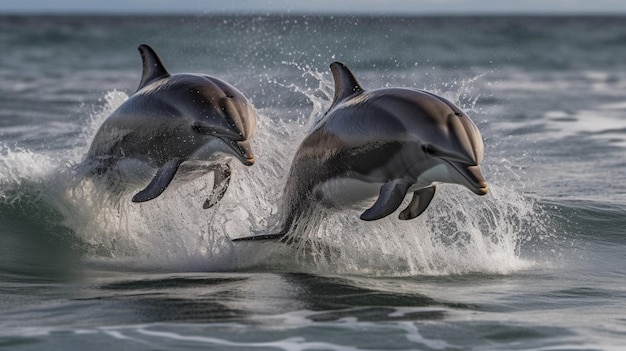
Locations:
{"points": [[458, 114]]}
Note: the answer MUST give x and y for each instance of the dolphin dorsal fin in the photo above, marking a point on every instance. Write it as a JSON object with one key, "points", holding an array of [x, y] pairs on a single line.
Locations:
{"points": [[153, 68], [346, 84]]}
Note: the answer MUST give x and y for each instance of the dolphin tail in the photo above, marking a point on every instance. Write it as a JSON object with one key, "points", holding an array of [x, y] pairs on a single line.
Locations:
{"points": [[221, 180], [283, 236], [289, 228], [390, 198], [161, 180], [262, 237], [420, 201]]}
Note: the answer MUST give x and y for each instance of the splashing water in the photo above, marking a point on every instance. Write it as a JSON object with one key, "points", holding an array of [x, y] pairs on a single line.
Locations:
{"points": [[459, 233]]}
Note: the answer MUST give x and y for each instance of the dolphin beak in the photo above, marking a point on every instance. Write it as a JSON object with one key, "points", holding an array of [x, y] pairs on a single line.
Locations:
{"points": [[479, 182], [236, 141], [472, 178], [244, 152]]}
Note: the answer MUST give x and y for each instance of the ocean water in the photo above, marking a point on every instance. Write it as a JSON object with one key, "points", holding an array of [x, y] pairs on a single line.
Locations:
{"points": [[537, 264]]}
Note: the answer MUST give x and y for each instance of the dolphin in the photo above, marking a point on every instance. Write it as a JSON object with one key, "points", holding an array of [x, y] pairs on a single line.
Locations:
{"points": [[380, 144], [191, 122]]}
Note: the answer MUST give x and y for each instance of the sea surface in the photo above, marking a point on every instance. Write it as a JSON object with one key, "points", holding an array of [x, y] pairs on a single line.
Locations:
{"points": [[537, 264]]}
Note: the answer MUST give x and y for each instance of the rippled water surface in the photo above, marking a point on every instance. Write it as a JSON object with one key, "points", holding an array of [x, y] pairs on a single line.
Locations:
{"points": [[537, 264]]}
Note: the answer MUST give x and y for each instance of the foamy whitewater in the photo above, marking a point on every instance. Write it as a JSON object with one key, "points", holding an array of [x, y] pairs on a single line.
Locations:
{"points": [[537, 264]]}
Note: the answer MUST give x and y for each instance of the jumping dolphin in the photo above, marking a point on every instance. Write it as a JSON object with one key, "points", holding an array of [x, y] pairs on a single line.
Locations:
{"points": [[186, 121], [386, 143]]}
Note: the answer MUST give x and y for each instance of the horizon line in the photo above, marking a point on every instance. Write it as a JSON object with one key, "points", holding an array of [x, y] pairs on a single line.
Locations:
{"points": [[136, 12]]}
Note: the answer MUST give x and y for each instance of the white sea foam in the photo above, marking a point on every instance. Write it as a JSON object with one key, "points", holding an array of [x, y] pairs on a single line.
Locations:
{"points": [[18, 165]]}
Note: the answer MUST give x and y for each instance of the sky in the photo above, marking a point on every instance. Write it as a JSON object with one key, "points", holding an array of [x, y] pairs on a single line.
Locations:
{"points": [[318, 6]]}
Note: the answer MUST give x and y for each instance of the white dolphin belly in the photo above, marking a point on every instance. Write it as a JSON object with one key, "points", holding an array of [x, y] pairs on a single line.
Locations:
{"points": [[432, 175], [346, 192]]}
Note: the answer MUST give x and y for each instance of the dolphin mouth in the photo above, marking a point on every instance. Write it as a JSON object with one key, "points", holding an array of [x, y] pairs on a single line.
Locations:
{"points": [[242, 150], [482, 191], [236, 142], [473, 177]]}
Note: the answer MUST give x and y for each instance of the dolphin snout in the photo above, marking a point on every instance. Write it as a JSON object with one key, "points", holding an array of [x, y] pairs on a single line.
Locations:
{"points": [[477, 182], [481, 191], [248, 161], [245, 153], [471, 177]]}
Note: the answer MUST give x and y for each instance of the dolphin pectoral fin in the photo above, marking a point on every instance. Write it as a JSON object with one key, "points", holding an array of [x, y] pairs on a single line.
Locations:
{"points": [[420, 201], [161, 180], [221, 180], [391, 195]]}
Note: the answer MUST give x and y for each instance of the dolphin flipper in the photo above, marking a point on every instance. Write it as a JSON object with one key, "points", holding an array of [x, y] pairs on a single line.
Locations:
{"points": [[391, 195], [160, 181], [221, 180], [420, 201]]}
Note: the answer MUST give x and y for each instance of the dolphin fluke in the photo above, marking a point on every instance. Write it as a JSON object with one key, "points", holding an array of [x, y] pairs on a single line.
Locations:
{"points": [[153, 68], [262, 237]]}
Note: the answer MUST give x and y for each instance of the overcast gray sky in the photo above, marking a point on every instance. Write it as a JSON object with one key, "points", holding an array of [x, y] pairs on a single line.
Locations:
{"points": [[317, 6]]}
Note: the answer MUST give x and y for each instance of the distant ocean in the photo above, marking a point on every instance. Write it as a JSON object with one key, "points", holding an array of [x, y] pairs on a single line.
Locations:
{"points": [[537, 264]]}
